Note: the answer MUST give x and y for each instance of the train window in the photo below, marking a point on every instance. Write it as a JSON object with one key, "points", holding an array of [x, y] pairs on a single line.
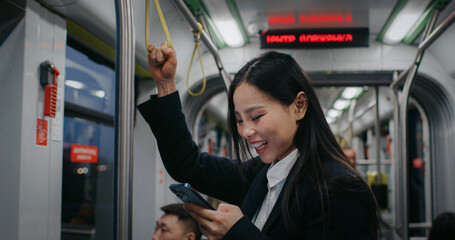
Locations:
{"points": [[88, 154], [88, 83]]}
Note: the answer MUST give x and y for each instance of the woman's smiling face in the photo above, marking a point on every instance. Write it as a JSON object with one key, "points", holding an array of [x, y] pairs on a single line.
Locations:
{"points": [[265, 123]]}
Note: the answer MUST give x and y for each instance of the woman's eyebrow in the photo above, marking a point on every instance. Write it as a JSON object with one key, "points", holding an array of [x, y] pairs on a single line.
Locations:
{"points": [[249, 110]]}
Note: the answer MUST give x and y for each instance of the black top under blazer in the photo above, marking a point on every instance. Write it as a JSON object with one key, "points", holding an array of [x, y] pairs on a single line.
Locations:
{"points": [[351, 214]]}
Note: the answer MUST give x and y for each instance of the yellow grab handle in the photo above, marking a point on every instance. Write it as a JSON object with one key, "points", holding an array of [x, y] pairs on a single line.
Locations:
{"points": [[163, 24], [196, 46]]}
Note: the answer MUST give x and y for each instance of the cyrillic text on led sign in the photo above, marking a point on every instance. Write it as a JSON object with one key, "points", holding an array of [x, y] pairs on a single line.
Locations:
{"points": [[315, 38]]}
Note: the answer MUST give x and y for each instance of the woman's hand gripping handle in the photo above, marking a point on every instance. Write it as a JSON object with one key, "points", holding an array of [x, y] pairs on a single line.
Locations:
{"points": [[163, 65]]}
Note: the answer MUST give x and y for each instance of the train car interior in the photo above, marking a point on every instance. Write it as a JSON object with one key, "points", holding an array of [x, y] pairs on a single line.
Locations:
{"points": [[79, 161]]}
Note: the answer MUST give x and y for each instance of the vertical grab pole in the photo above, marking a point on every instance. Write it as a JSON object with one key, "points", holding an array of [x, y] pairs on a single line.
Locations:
{"points": [[377, 126], [397, 155], [404, 147], [351, 120], [124, 72], [404, 124]]}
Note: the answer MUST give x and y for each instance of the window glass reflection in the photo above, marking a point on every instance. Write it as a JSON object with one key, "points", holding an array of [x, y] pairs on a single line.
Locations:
{"points": [[79, 190], [88, 83]]}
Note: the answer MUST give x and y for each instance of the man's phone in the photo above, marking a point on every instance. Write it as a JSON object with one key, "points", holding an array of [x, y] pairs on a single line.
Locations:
{"points": [[186, 193]]}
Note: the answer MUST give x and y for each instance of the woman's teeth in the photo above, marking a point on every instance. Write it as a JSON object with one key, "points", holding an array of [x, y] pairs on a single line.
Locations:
{"points": [[259, 145]]}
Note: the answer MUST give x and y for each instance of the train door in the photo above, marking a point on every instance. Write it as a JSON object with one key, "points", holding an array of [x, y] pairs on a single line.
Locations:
{"points": [[89, 144]]}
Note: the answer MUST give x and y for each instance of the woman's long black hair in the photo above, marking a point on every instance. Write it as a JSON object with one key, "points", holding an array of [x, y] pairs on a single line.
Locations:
{"points": [[280, 77]]}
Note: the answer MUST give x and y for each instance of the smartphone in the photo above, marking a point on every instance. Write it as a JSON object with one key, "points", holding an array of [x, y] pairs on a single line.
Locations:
{"points": [[186, 193]]}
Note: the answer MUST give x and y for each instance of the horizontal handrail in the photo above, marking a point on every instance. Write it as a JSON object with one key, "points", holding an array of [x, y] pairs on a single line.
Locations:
{"points": [[372, 161], [420, 225], [79, 231]]}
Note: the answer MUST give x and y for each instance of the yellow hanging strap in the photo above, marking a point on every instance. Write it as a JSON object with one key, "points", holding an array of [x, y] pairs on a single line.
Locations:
{"points": [[163, 24], [196, 35]]}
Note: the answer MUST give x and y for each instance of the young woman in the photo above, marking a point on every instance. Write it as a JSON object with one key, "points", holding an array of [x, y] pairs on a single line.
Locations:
{"points": [[299, 187]]}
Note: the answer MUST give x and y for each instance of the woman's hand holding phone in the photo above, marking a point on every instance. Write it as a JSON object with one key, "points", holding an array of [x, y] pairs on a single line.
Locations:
{"points": [[215, 224]]}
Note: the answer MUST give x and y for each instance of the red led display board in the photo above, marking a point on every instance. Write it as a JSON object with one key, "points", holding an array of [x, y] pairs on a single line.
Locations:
{"points": [[313, 18], [315, 38]]}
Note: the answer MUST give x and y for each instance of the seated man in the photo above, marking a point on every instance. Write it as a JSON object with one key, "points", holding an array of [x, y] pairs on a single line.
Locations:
{"points": [[350, 154], [176, 224]]}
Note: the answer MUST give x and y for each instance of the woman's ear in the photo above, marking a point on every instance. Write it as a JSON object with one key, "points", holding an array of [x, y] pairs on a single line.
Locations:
{"points": [[301, 105]]}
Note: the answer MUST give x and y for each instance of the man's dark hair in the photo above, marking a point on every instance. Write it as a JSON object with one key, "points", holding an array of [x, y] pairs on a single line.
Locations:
{"points": [[177, 210], [443, 227]]}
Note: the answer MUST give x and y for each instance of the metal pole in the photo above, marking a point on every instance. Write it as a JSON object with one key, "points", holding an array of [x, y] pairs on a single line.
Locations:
{"points": [[351, 120], [400, 79], [428, 39], [377, 126], [124, 61], [181, 6], [404, 124], [204, 25], [398, 162]]}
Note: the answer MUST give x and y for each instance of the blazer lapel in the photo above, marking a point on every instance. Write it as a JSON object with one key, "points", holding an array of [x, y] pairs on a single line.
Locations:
{"points": [[276, 211], [256, 194]]}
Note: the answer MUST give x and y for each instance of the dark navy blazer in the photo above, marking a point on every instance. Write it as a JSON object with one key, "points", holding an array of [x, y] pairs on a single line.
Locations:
{"points": [[351, 215]]}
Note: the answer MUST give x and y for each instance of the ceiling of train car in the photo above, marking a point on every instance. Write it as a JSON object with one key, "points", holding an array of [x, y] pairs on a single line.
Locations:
{"points": [[99, 16]]}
